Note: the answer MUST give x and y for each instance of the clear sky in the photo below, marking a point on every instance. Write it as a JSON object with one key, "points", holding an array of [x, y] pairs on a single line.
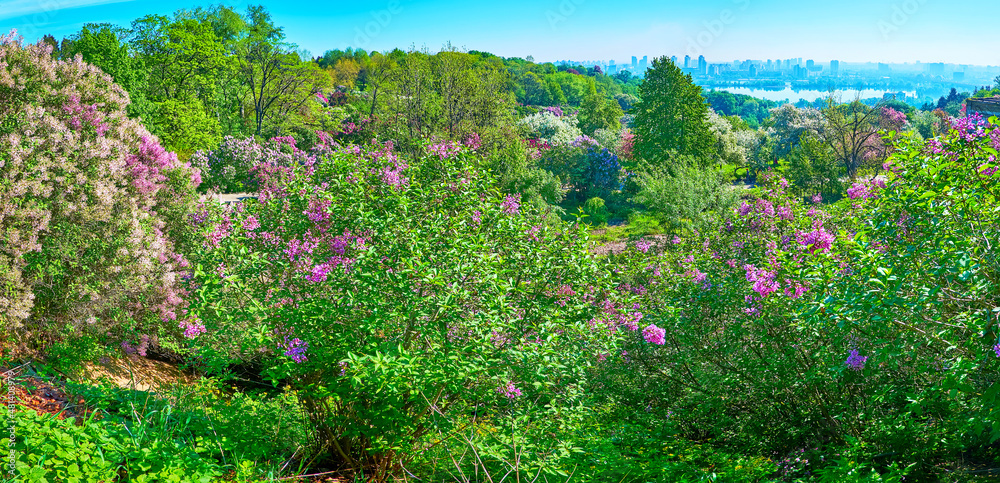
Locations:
{"points": [[962, 32]]}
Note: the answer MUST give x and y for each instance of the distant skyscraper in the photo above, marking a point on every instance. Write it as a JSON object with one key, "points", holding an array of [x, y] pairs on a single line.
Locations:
{"points": [[635, 63], [810, 64], [644, 64], [702, 65], [673, 58], [687, 61], [834, 67], [883, 68]]}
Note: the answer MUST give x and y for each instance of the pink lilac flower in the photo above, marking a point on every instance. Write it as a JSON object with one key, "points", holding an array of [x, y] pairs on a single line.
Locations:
{"points": [[533, 232], [817, 198], [654, 334], [473, 142], [763, 280], [444, 150], [511, 204], [477, 217], [250, 223], [816, 240], [510, 390], [996, 349], [642, 246], [192, 328], [855, 361]]}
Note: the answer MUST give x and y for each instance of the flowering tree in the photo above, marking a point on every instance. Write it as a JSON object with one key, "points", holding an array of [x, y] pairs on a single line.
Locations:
{"points": [[90, 203], [400, 296]]}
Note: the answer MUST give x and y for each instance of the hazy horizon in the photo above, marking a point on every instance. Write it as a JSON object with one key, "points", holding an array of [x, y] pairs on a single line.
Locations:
{"points": [[851, 31]]}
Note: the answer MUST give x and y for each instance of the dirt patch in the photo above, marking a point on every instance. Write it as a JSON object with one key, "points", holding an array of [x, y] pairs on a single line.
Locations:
{"points": [[138, 374]]}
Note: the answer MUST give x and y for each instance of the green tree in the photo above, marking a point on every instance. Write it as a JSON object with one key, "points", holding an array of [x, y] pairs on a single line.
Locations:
{"points": [[599, 112], [101, 45], [556, 95], [535, 90], [279, 81], [671, 116]]}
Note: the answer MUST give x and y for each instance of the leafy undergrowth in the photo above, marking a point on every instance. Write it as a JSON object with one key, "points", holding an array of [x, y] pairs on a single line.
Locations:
{"points": [[80, 432]]}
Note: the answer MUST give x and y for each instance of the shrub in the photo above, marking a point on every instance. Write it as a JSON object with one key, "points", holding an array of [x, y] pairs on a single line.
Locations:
{"points": [[596, 212], [91, 207], [406, 300]]}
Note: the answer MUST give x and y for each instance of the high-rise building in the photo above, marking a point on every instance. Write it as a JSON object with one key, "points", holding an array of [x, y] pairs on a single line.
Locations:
{"points": [[702, 65], [644, 63], [834, 67], [810, 64], [635, 63], [673, 58], [687, 61]]}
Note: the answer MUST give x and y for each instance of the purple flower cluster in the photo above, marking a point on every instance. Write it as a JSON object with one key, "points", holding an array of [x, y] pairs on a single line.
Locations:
{"points": [[554, 110], [764, 282], [996, 349], [192, 328], [84, 116], [510, 391], [654, 334], [444, 149], [970, 128], [866, 189], [855, 361], [296, 349], [511, 204], [643, 246], [816, 240], [473, 142], [139, 349]]}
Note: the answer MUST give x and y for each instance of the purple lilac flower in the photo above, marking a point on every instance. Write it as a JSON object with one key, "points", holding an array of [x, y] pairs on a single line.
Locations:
{"points": [[763, 280], [296, 349], [473, 142], [654, 334], [816, 240], [855, 361], [511, 204], [192, 328], [444, 150], [642, 246], [251, 223], [510, 391], [477, 217], [996, 349]]}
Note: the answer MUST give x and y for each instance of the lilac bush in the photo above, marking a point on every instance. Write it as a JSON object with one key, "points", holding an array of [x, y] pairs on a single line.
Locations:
{"points": [[434, 293], [92, 208]]}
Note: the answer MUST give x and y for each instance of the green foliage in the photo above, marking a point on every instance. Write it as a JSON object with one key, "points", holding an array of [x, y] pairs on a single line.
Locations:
{"points": [[688, 199], [596, 213], [599, 112], [813, 170], [185, 126]]}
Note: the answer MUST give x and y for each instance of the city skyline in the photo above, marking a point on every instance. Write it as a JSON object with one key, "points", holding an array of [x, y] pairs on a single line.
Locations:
{"points": [[852, 31]]}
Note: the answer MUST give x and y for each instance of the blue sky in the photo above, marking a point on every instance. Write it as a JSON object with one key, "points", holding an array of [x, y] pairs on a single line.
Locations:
{"points": [[849, 30]]}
